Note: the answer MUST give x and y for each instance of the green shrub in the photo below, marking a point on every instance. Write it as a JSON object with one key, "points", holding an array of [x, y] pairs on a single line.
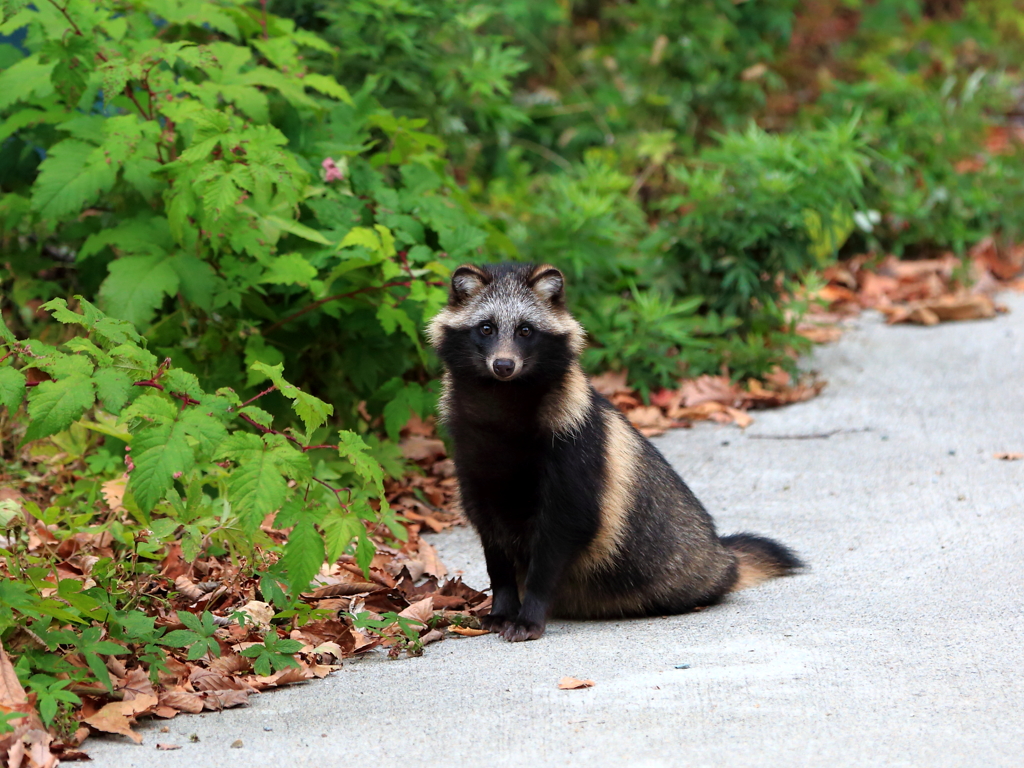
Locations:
{"points": [[755, 213], [233, 205], [205, 468], [932, 180]]}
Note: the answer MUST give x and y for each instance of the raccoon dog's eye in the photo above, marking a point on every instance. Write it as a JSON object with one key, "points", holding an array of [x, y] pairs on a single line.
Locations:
{"points": [[486, 329], [525, 330]]}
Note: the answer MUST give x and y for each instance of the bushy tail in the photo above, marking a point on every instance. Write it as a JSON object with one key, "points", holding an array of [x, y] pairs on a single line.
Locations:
{"points": [[759, 559]]}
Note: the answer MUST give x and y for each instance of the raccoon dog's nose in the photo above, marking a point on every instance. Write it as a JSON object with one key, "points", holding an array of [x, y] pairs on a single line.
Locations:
{"points": [[503, 368]]}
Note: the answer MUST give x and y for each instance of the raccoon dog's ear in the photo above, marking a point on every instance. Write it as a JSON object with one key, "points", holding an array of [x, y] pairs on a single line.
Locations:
{"points": [[467, 281], [548, 283]]}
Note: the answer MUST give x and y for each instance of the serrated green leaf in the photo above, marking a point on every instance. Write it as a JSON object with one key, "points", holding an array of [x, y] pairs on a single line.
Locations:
{"points": [[313, 411], [12, 387], [112, 388], [328, 86], [363, 236], [159, 451], [365, 550], [178, 380], [258, 415], [73, 175], [24, 79], [257, 350], [462, 240], [257, 486], [140, 364], [82, 344], [289, 269], [151, 407], [207, 430], [352, 448], [179, 638], [54, 406], [303, 555], [198, 281], [220, 196], [392, 317], [340, 528], [299, 230], [29, 117], [136, 286], [5, 332], [62, 366], [411, 398]]}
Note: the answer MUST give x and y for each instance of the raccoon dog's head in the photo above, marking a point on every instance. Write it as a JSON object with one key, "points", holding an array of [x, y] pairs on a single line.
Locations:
{"points": [[507, 322]]}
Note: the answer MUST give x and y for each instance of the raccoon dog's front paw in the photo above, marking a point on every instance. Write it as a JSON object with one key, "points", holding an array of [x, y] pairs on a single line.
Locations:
{"points": [[518, 630], [495, 622]]}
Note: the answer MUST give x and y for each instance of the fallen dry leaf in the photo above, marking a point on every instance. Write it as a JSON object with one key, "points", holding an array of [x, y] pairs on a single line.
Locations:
{"points": [[12, 695], [284, 677], [257, 612], [819, 334], [611, 383], [572, 683], [717, 389], [422, 610], [118, 716], [31, 749], [432, 637], [206, 680], [182, 701], [420, 448], [113, 493], [432, 565], [345, 589], [229, 664], [944, 308], [467, 631], [649, 417], [136, 684], [1008, 456]]}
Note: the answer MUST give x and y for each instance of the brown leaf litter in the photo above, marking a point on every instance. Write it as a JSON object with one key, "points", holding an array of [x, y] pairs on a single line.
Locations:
{"points": [[705, 398], [922, 292]]}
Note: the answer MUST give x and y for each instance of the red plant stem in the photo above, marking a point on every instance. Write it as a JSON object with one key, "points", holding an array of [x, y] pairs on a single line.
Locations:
{"points": [[185, 399], [128, 88], [261, 394], [336, 297], [263, 18], [269, 431], [336, 491], [7, 355]]}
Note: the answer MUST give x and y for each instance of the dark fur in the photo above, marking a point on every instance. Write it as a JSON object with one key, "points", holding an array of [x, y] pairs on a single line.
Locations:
{"points": [[538, 493]]}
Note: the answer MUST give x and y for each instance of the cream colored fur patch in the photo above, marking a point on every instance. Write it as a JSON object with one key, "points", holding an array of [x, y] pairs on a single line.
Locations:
{"points": [[622, 450]]}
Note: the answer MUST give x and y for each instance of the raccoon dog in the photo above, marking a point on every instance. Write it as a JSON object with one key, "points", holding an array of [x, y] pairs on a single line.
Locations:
{"points": [[578, 514]]}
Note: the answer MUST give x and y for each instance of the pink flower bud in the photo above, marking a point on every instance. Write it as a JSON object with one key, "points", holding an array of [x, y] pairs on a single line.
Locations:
{"points": [[331, 171]]}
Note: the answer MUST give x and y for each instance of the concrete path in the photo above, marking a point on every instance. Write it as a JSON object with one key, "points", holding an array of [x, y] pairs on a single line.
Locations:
{"points": [[902, 645]]}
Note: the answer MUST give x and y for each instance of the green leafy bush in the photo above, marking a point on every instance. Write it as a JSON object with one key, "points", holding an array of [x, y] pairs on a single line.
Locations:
{"points": [[932, 180], [204, 469], [203, 184]]}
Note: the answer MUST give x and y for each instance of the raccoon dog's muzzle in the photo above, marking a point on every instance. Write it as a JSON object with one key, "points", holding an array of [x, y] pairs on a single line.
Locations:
{"points": [[503, 367]]}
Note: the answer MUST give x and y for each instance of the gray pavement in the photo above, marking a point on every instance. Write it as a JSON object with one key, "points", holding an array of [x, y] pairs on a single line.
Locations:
{"points": [[901, 646]]}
